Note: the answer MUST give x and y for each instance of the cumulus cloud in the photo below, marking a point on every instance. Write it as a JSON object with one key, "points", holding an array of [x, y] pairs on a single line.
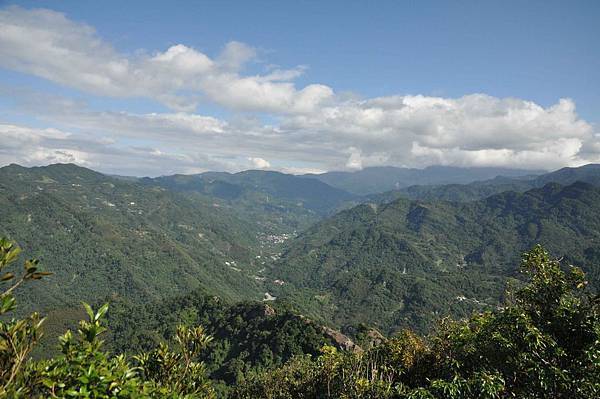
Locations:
{"points": [[33, 146], [259, 163], [47, 44], [416, 131], [296, 170], [308, 129], [30, 146], [474, 130]]}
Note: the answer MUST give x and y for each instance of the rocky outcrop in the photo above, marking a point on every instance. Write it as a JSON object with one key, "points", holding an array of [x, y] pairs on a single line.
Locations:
{"points": [[341, 341]]}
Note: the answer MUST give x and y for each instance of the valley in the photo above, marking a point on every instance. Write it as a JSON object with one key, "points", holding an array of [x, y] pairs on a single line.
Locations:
{"points": [[299, 200], [388, 260], [261, 251]]}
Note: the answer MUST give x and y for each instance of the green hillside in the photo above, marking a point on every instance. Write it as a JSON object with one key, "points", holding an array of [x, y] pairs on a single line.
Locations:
{"points": [[407, 263], [103, 236], [189, 250], [249, 336], [482, 189], [387, 264], [281, 202]]}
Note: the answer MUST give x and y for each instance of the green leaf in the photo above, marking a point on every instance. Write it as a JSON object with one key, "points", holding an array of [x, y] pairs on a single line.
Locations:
{"points": [[101, 312], [88, 310]]}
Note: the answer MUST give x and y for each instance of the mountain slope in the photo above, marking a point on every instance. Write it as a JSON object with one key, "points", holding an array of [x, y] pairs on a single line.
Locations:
{"points": [[248, 336], [482, 189], [280, 203], [103, 236], [406, 263], [587, 173], [311, 194]]}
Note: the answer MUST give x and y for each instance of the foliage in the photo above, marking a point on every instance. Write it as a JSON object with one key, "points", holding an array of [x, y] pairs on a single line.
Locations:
{"points": [[160, 257], [17, 336], [543, 343], [103, 236], [406, 264], [396, 265], [178, 372], [248, 337], [84, 369]]}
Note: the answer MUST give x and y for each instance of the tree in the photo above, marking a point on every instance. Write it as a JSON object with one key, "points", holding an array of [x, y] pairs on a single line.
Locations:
{"points": [[17, 336], [84, 369], [544, 342]]}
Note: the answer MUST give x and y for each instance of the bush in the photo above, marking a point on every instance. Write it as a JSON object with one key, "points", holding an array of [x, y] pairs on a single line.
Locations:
{"points": [[84, 369], [543, 343]]}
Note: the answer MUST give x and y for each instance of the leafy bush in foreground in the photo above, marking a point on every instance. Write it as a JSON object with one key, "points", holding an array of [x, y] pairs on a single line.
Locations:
{"points": [[544, 343], [84, 369]]}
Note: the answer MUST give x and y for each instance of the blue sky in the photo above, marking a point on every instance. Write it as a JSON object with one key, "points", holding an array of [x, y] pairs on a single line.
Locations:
{"points": [[406, 83]]}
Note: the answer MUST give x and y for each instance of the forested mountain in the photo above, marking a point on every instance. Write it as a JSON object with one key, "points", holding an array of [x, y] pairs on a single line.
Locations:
{"points": [[379, 179], [248, 336], [587, 173], [279, 201], [310, 194], [482, 189], [406, 263], [314, 195], [390, 262], [103, 236], [542, 342], [171, 253]]}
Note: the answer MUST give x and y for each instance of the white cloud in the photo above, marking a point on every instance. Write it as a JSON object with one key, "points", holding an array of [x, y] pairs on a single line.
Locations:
{"points": [[412, 131], [259, 163], [294, 170], [47, 44], [42, 156], [354, 160], [32, 147], [16, 136], [29, 146], [476, 130], [309, 128], [235, 55]]}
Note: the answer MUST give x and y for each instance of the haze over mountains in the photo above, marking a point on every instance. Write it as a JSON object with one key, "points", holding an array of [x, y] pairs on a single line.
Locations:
{"points": [[378, 179]]}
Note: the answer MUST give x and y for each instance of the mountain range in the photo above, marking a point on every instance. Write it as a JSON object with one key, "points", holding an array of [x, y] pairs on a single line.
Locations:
{"points": [[375, 180], [408, 263], [336, 247]]}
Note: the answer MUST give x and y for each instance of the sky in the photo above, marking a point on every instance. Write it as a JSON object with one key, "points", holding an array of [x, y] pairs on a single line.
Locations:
{"points": [[154, 88]]}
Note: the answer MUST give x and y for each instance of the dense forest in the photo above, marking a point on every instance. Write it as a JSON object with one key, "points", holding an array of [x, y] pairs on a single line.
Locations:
{"points": [[387, 260], [299, 199], [408, 263], [262, 284], [542, 342]]}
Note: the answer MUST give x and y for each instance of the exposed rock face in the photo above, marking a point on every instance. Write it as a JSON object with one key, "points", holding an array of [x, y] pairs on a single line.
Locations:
{"points": [[269, 311], [269, 297], [342, 341], [375, 337]]}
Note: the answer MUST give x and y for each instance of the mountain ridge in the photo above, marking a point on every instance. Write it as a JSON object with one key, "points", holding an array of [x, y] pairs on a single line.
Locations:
{"points": [[413, 257]]}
